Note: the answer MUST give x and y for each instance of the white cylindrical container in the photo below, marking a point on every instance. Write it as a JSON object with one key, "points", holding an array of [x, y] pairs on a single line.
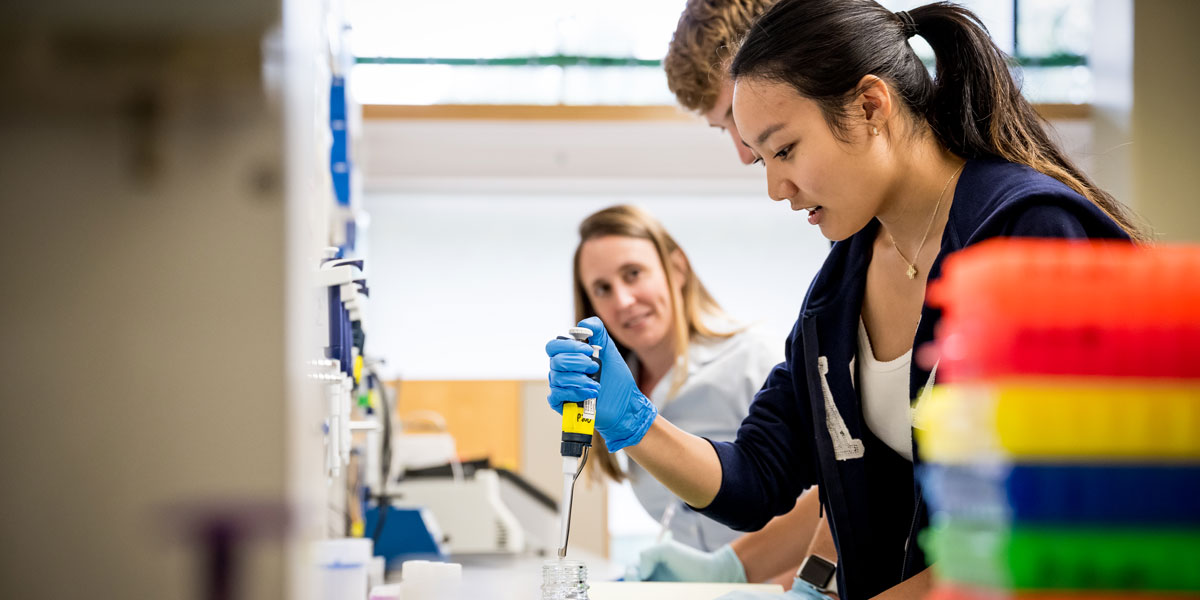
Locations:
{"points": [[425, 580], [342, 568], [386, 592]]}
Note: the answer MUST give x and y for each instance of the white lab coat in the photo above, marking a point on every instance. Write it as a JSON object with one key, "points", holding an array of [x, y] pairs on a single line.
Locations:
{"points": [[723, 376]]}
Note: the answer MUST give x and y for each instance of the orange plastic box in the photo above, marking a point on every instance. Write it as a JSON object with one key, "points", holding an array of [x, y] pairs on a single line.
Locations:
{"points": [[1069, 283], [1059, 307]]}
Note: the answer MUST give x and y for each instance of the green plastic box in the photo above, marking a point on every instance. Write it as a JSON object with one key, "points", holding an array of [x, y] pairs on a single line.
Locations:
{"points": [[1058, 558]]}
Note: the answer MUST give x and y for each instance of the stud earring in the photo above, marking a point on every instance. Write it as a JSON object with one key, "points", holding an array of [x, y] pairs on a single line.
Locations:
{"points": [[874, 130]]}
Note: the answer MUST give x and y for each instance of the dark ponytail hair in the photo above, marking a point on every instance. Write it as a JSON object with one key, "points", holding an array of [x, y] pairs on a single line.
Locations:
{"points": [[823, 49]]}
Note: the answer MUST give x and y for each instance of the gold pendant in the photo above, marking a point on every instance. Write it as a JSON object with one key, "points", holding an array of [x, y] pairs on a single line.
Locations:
{"points": [[912, 271]]}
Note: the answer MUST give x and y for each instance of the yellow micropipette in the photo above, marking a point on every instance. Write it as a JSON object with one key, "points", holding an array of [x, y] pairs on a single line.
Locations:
{"points": [[578, 423]]}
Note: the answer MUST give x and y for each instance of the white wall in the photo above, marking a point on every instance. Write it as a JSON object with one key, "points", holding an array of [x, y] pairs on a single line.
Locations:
{"points": [[472, 285]]}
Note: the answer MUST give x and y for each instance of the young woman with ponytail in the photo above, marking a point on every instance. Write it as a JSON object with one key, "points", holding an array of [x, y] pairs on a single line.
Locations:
{"points": [[899, 169]]}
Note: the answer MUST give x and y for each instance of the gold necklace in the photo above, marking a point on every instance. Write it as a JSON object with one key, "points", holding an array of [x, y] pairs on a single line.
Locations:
{"points": [[912, 265]]}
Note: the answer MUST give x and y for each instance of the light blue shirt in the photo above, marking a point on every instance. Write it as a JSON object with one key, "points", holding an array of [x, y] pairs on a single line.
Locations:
{"points": [[723, 376]]}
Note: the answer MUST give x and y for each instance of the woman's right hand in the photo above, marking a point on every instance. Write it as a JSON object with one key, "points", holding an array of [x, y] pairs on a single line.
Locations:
{"points": [[623, 413], [669, 560]]}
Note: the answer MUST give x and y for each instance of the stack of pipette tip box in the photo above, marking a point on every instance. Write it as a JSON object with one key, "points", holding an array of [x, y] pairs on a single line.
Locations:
{"points": [[1061, 444]]}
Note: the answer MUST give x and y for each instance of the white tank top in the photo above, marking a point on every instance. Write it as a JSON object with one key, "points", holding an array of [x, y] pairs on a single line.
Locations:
{"points": [[883, 387]]}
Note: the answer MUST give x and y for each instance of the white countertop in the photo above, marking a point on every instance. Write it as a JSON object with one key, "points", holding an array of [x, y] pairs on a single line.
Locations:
{"points": [[519, 577]]}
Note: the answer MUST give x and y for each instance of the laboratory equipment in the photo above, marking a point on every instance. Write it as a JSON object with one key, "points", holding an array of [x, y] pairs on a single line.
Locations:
{"points": [[481, 509], [484, 509], [1059, 445], [578, 423], [404, 532], [342, 566], [390, 591], [564, 580], [427, 580], [664, 524], [469, 509], [1067, 556], [535, 511], [343, 281], [422, 580], [1066, 493]]}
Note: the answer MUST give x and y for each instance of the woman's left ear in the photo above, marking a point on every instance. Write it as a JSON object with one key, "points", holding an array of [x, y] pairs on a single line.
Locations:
{"points": [[680, 264], [875, 100]]}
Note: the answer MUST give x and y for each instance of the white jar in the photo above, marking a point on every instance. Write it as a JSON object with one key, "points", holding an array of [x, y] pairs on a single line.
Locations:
{"points": [[342, 566]]}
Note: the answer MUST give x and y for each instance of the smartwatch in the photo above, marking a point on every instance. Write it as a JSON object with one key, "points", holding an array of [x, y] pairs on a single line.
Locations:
{"points": [[819, 572]]}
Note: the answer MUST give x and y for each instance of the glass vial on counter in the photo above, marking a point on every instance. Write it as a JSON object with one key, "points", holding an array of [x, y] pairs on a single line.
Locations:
{"points": [[564, 580]]}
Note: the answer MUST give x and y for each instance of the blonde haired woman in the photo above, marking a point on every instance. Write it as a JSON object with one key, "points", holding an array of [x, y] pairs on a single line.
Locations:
{"points": [[701, 369]]}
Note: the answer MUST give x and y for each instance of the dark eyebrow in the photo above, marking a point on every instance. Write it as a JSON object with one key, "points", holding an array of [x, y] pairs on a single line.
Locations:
{"points": [[762, 137]]}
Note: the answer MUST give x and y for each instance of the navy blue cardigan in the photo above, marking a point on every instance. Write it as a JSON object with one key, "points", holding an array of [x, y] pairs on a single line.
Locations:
{"points": [[785, 444]]}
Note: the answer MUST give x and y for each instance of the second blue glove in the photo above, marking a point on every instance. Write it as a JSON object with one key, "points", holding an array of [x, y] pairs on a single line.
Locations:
{"points": [[623, 413]]}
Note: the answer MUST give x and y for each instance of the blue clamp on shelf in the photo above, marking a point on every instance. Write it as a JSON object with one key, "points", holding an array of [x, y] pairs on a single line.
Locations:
{"points": [[339, 153]]}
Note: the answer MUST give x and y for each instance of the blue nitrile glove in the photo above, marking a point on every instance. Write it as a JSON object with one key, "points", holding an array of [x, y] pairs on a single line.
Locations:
{"points": [[671, 561], [801, 590], [623, 413]]}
